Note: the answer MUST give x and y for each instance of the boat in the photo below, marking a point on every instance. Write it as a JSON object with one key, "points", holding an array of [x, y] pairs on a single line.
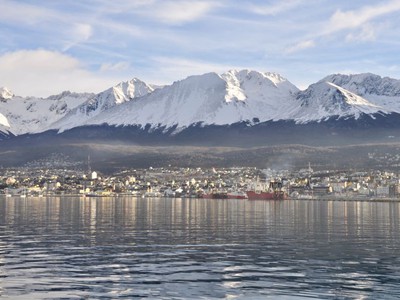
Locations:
{"points": [[274, 192]]}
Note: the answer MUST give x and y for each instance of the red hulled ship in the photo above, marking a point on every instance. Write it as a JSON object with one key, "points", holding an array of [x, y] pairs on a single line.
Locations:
{"points": [[274, 192]]}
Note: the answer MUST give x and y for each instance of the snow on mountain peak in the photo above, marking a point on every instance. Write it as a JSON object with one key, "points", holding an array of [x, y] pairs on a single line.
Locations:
{"points": [[326, 99], [382, 91], [31, 115], [233, 87], [3, 121], [367, 84], [5, 94], [128, 90], [68, 94], [210, 98], [97, 104], [118, 94], [351, 98], [252, 84], [251, 75]]}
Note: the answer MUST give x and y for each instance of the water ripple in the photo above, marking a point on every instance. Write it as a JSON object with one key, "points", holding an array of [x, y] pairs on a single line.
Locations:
{"points": [[192, 249]]}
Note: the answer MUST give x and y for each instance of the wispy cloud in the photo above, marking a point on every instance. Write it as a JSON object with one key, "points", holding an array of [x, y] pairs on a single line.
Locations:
{"points": [[116, 67], [178, 11], [165, 40], [275, 8], [171, 12], [13, 11], [352, 19], [367, 33], [300, 46], [354, 26], [79, 33]]}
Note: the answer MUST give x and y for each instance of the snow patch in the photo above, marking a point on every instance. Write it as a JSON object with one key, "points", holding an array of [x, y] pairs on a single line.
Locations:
{"points": [[5, 94], [4, 121]]}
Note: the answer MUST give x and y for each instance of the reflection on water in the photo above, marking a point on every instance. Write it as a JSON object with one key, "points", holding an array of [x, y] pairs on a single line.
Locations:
{"points": [[193, 248]]}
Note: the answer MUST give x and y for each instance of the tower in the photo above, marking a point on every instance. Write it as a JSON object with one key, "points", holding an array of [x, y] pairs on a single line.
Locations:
{"points": [[88, 165]]}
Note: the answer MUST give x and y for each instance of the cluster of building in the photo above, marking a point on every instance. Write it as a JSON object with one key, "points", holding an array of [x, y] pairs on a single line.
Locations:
{"points": [[197, 182]]}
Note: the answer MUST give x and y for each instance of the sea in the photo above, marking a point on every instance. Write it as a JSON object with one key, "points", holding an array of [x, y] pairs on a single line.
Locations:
{"points": [[164, 248]]}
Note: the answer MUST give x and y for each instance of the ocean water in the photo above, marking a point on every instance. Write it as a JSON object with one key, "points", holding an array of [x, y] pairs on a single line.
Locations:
{"points": [[157, 248]]}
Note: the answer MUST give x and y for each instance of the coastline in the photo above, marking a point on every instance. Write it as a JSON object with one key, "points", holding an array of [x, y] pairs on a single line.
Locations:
{"points": [[321, 198]]}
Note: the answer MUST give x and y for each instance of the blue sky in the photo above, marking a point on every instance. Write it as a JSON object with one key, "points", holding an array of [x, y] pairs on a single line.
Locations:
{"points": [[51, 46]]}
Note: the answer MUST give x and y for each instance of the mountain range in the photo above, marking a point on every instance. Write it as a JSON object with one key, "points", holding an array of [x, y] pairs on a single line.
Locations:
{"points": [[236, 118], [213, 100]]}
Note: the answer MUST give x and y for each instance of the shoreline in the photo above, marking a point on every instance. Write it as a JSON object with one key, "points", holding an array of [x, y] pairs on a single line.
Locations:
{"points": [[323, 198]]}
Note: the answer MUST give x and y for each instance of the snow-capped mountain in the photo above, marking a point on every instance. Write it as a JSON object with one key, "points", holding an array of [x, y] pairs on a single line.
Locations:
{"points": [[20, 115], [367, 84], [325, 99], [232, 97], [244, 96], [102, 102], [382, 91]]}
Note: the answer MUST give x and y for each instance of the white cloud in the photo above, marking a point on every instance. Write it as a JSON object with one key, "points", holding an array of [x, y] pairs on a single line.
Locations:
{"points": [[173, 12], [179, 11], [300, 46], [342, 20], [367, 33], [42, 73], [83, 31], [35, 59], [80, 33], [276, 8], [12, 11], [356, 25], [116, 67]]}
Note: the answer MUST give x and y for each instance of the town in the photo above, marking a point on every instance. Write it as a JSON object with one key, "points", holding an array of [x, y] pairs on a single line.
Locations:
{"points": [[201, 183]]}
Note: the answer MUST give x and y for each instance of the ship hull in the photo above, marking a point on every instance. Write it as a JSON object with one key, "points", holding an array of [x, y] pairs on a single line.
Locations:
{"points": [[251, 195], [237, 196]]}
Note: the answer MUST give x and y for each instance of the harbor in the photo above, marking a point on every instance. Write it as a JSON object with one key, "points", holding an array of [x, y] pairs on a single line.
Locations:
{"points": [[208, 183]]}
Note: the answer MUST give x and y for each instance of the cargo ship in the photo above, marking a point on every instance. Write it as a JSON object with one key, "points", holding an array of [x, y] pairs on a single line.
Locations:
{"points": [[274, 192]]}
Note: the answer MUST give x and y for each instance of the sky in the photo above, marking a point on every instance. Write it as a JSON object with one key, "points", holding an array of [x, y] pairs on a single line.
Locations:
{"points": [[88, 46]]}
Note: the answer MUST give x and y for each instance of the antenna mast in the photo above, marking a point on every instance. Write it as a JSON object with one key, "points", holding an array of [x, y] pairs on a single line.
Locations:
{"points": [[88, 164]]}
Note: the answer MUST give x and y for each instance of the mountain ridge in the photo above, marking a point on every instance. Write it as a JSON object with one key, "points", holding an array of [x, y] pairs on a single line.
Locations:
{"points": [[214, 99]]}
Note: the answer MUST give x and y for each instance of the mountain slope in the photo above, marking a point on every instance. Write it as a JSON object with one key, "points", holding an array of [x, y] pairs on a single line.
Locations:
{"points": [[324, 100], [114, 96], [208, 99], [235, 97], [5, 94], [381, 91], [29, 115]]}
